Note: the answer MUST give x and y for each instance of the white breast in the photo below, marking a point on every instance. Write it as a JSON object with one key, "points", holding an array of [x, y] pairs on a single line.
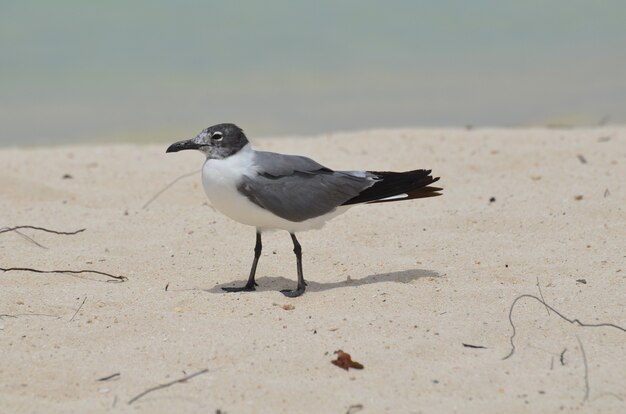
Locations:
{"points": [[220, 179]]}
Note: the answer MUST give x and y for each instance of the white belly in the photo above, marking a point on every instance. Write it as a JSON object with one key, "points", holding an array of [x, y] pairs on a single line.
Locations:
{"points": [[220, 179]]}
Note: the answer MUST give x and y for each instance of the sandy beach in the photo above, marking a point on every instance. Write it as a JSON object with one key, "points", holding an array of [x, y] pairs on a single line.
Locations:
{"points": [[418, 292]]}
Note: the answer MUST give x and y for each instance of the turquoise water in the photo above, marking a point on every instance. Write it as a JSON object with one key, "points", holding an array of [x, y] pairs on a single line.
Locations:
{"points": [[75, 71]]}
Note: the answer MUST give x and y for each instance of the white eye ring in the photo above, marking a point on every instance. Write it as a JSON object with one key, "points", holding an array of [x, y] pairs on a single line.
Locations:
{"points": [[216, 136]]}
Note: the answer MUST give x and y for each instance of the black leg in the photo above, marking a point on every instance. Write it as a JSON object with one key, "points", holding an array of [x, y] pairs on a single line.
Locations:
{"points": [[297, 249], [251, 283]]}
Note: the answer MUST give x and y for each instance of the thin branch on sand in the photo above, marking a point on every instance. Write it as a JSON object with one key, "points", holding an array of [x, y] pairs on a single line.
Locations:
{"points": [[582, 350], [167, 187], [109, 377], [30, 239], [17, 315], [158, 387], [79, 308], [63, 233], [72, 272], [541, 294], [16, 229], [559, 314]]}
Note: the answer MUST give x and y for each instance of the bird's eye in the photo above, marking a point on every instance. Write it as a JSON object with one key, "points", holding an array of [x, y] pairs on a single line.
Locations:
{"points": [[217, 136]]}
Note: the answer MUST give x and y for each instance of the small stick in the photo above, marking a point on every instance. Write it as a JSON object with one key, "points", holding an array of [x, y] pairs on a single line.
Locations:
{"points": [[562, 357], [582, 350], [63, 233], [473, 346], [30, 239], [81, 305], [158, 387], [27, 269], [164, 189], [560, 315], [353, 409], [541, 294], [5, 315], [109, 377]]}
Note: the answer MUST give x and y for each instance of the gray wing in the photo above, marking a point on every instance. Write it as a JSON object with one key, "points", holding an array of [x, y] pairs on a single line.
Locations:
{"points": [[280, 165], [298, 188]]}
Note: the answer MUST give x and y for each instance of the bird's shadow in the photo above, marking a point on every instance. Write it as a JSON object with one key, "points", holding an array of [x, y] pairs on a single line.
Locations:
{"points": [[269, 283]]}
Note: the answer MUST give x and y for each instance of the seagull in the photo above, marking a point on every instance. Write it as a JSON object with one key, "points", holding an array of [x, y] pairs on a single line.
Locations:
{"points": [[272, 191]]}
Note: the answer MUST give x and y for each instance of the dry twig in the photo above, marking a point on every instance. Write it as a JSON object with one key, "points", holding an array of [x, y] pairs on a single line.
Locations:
{"points": [[164, 189], [73, 272], [79, 308], [473, 346], [541, 294], [17, 315], [565, 318], [158, 387], [16, 229], [353, 409], [582, 350], [63, 233], [109, 377], [30, 239]]}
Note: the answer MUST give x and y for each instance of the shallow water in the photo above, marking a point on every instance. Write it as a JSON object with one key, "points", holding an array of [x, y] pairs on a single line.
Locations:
{"points": [[160, 71]]}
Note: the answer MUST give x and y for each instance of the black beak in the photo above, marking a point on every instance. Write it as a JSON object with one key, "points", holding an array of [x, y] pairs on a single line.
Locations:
{"points": [[182, 145]]}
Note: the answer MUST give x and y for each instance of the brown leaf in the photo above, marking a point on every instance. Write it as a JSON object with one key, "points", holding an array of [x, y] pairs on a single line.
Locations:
{"points": [[345, 361]]}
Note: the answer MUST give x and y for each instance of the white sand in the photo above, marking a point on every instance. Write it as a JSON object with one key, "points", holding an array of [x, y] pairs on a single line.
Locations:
{"points": [[399, 286]]}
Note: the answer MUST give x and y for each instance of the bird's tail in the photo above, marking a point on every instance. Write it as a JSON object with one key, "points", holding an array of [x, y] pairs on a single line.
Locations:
{"points": [[398, 186]]}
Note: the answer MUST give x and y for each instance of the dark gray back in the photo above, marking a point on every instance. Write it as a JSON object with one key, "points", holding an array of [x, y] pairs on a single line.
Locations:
{"points": [[298, 188]]}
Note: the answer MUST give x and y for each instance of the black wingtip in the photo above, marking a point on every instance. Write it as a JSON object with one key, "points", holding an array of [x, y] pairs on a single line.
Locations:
{"points": [[391, 186]]}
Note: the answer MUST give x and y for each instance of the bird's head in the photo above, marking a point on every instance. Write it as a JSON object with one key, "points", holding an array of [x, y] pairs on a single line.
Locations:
{"points": [[216, 142]]}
